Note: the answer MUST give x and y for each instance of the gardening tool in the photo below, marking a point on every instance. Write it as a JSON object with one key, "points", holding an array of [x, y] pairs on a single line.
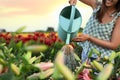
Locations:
{"points": [[69, 23]]}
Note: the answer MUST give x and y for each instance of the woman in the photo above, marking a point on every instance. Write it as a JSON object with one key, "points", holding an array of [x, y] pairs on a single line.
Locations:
{"points": [[103, 28]]}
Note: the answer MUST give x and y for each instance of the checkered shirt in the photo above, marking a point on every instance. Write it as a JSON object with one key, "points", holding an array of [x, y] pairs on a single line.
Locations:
{"points": [[100, 31]]}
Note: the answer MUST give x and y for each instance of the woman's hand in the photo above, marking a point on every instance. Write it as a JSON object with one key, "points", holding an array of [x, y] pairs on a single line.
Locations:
{"points": [[81, 38], [72, 2]]}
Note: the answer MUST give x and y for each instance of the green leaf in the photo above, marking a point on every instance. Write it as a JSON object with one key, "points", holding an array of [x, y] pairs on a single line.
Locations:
{"points": [[8, 75], [20, 29], [97, 52], [36, 48], [27, 55], [80, 69], [19, 44], [77, 57], [32, 59], [57, 75], [112, 56], [106, 72], [1, 54], [90, 53]]}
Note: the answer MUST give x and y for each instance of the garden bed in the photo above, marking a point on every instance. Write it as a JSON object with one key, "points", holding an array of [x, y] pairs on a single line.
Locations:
{"points": [[38, 56]]}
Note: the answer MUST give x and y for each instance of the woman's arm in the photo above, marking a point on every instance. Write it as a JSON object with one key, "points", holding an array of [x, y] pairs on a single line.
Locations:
{"points": [[114, 43], [115, 39], [92, 3]]}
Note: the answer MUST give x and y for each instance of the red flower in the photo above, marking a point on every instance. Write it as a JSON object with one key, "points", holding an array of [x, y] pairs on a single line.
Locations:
{"points": [[35, 38], [48, 41]]}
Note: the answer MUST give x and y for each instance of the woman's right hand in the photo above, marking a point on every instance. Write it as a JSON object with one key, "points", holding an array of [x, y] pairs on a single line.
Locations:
{"points": [[72, 2], [81, 38]]}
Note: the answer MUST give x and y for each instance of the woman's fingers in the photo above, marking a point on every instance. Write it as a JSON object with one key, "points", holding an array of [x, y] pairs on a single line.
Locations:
{"points": [[76, 39], [72, 2], [81, 38]]}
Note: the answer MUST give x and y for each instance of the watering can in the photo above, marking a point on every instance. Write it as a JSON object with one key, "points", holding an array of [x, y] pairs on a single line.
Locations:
{"points": [[69, 23]]}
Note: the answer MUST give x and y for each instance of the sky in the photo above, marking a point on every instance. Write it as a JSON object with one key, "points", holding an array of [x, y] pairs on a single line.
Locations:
{"points": [[36, 14]]}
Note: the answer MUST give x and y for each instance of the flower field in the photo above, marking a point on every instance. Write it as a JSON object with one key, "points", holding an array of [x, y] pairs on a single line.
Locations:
{"points": [[41, 56]]}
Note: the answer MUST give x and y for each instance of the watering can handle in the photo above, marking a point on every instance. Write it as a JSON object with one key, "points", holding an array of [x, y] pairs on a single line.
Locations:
{"points": [[70, 24], [71, 18]]}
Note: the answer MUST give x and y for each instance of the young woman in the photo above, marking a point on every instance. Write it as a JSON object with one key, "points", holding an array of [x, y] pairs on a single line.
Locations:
{"points": [[102, 31]]}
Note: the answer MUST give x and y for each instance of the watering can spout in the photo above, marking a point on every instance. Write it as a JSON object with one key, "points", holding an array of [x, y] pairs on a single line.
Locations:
{"points": [[69, 23]]}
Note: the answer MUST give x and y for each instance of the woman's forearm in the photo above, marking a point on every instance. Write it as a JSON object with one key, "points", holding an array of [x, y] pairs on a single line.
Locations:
{"points": [[104, 43]]}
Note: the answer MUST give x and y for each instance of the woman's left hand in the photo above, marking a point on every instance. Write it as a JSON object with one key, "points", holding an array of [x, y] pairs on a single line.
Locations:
{"points": [[72, 2], [81, 38]]}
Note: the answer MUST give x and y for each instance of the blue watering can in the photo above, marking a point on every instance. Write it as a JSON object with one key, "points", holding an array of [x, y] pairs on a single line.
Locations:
{"points": [[69, 23]]}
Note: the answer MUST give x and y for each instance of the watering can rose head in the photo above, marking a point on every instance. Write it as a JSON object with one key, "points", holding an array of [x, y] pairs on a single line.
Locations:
{"points": [[68, 49]]}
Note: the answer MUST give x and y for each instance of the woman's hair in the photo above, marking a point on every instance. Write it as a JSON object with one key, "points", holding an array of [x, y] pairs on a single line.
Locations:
{"points": [[103, 9]]}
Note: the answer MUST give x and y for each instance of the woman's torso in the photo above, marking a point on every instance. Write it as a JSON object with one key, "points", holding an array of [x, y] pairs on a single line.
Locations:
{"points": [[99, 30]]}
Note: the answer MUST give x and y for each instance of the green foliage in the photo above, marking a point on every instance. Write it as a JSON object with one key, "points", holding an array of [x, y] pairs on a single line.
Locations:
{"points": [[20, 30], [19, 62]]}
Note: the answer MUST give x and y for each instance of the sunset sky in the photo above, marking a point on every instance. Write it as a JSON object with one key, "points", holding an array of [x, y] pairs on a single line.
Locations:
{"points": [[35, 14]]}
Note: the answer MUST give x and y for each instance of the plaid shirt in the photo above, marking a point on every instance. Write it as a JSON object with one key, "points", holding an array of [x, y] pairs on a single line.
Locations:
{"points": [[100, 31]]}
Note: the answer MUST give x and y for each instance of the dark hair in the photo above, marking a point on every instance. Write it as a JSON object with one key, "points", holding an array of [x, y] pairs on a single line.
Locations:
{"points": [[103, 8]]}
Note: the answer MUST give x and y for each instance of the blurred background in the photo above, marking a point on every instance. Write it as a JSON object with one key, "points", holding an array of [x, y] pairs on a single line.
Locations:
{"points": [[36, 14]]}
